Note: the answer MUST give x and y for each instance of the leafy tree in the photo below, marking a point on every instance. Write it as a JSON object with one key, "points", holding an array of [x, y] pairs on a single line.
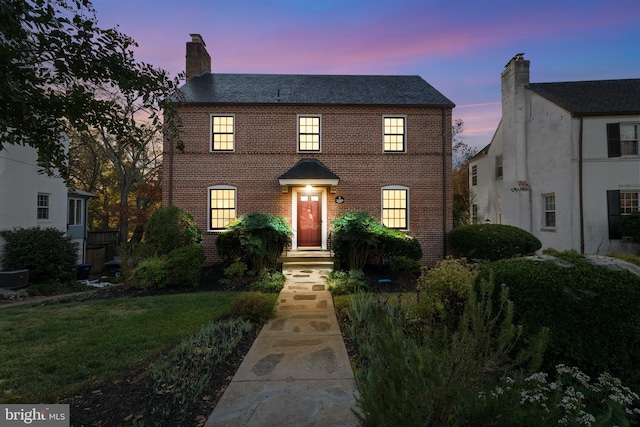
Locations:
{"points": [[462, 153], [53, 58]]}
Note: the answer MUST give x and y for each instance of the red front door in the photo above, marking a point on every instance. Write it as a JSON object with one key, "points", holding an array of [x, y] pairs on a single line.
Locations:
{"points": [[309, 219]]}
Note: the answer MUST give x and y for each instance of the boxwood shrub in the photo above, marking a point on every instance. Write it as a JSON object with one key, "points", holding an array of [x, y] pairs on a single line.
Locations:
{"points": [[592, 311], [492, 242], [184, 265]]}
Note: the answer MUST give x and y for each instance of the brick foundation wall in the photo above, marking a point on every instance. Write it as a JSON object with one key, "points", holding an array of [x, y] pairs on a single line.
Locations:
{"points": [[351, 147]]}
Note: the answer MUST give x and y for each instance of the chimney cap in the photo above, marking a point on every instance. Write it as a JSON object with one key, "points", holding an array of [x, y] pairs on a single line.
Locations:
{"points": [[197, 38], [517, 57]]}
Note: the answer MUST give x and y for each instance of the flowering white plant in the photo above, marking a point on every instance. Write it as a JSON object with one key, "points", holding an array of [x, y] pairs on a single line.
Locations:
{"points": [[571, 400]]}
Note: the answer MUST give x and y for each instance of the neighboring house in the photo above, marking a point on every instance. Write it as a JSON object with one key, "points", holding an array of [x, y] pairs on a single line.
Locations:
{"points": [[564, 162], [308, 148], [29, 198]]}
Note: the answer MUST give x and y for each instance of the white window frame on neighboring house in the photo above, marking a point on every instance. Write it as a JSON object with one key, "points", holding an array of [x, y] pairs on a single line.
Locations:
{"points": [[629, 139], [499, 170], [474, 213], [474, 174], [549, 211], [309, 133], [395, 207], [43, 207], [629, 202], [76, 217], [394, 134], [223, 133], [223, 208]]}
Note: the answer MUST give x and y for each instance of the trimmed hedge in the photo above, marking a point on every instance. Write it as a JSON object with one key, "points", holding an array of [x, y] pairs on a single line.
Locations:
{"points": [[592, 311], [184, 265], [492, 242], [47, 253], [170, 228]]}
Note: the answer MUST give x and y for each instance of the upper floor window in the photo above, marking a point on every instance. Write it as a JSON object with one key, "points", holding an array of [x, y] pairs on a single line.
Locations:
{"points": [[622, 139], [222, 133], [474, 175], [628, 139], [43, 206], [498, 167], [549, 210], [222, 206], [308, 133], [395, 207], [394, 134], [75, 212]]}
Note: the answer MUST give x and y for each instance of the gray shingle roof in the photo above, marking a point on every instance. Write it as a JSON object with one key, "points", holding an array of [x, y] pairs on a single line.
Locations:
{"points": [[309, 169], [593, 97], [312, 90]]}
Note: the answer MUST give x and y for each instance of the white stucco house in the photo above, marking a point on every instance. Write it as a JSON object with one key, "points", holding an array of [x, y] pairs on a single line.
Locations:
{"points": [[563, 163], [29, 198]]}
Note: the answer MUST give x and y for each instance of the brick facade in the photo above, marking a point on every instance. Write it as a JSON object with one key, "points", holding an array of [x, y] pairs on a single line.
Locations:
{"points": [[351, 147]]}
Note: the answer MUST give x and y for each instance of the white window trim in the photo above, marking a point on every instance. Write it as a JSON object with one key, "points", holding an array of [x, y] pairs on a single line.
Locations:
{"points": [[211, 116], [404, 136], [474, 174], [298, 117], [48, 207], [543, 197], [79, 221], [396, 187], [235, 202], [620, 125]]}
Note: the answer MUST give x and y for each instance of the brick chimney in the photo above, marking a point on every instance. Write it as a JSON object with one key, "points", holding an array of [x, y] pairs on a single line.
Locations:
{"points": [[198, 59]]}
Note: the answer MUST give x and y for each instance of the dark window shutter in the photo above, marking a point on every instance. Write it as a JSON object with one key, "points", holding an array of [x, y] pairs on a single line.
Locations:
{"points": [[613, 209], [613, 139]]}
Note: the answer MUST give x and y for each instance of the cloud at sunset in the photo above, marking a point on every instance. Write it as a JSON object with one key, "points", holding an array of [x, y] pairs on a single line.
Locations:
{"points": [[458, 46]]}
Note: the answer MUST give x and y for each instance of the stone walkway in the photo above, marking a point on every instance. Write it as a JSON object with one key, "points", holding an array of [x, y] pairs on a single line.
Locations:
{"points": [[297, 373]]}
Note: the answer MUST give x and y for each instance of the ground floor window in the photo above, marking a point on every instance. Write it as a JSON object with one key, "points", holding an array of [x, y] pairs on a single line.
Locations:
{"points": [[628, 202], [43, 206], [549, 210], [395, 207], [75, 212], [474, 214], [222, 207]]}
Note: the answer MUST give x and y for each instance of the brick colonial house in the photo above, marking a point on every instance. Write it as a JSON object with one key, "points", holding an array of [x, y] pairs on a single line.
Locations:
{"points": [[308, 148]]}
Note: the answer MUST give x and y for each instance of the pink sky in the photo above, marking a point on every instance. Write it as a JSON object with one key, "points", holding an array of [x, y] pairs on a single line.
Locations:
{"points": [[458, 46]]}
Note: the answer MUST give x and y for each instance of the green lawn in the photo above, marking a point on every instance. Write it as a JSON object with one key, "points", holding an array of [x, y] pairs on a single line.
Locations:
{"points": [[56, 350]]}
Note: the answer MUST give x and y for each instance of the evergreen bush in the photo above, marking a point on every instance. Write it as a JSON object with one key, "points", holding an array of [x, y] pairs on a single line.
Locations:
{"points": [[259, 238], [592, 311], [47, 253], [151, 273], [184, 265], [170, 228], [630, 226], [492, 242], [254, 306]]}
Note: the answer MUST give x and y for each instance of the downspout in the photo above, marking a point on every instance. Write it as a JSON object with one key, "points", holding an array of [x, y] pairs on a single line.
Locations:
{"points": [[170, 185], [444, 182], [580, 185]]}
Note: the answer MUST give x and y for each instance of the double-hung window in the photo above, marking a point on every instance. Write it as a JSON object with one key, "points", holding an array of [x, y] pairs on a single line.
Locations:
{"points": [[629, 139], [474, 175], [394, 135], [628, 202], [308, 133], [549, 210], [43, 206], [395, 207], [222, 206], [222, 133]]}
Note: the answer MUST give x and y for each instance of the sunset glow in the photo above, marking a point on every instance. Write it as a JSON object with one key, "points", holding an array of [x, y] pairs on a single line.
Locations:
{"points": [[460, 47]]}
